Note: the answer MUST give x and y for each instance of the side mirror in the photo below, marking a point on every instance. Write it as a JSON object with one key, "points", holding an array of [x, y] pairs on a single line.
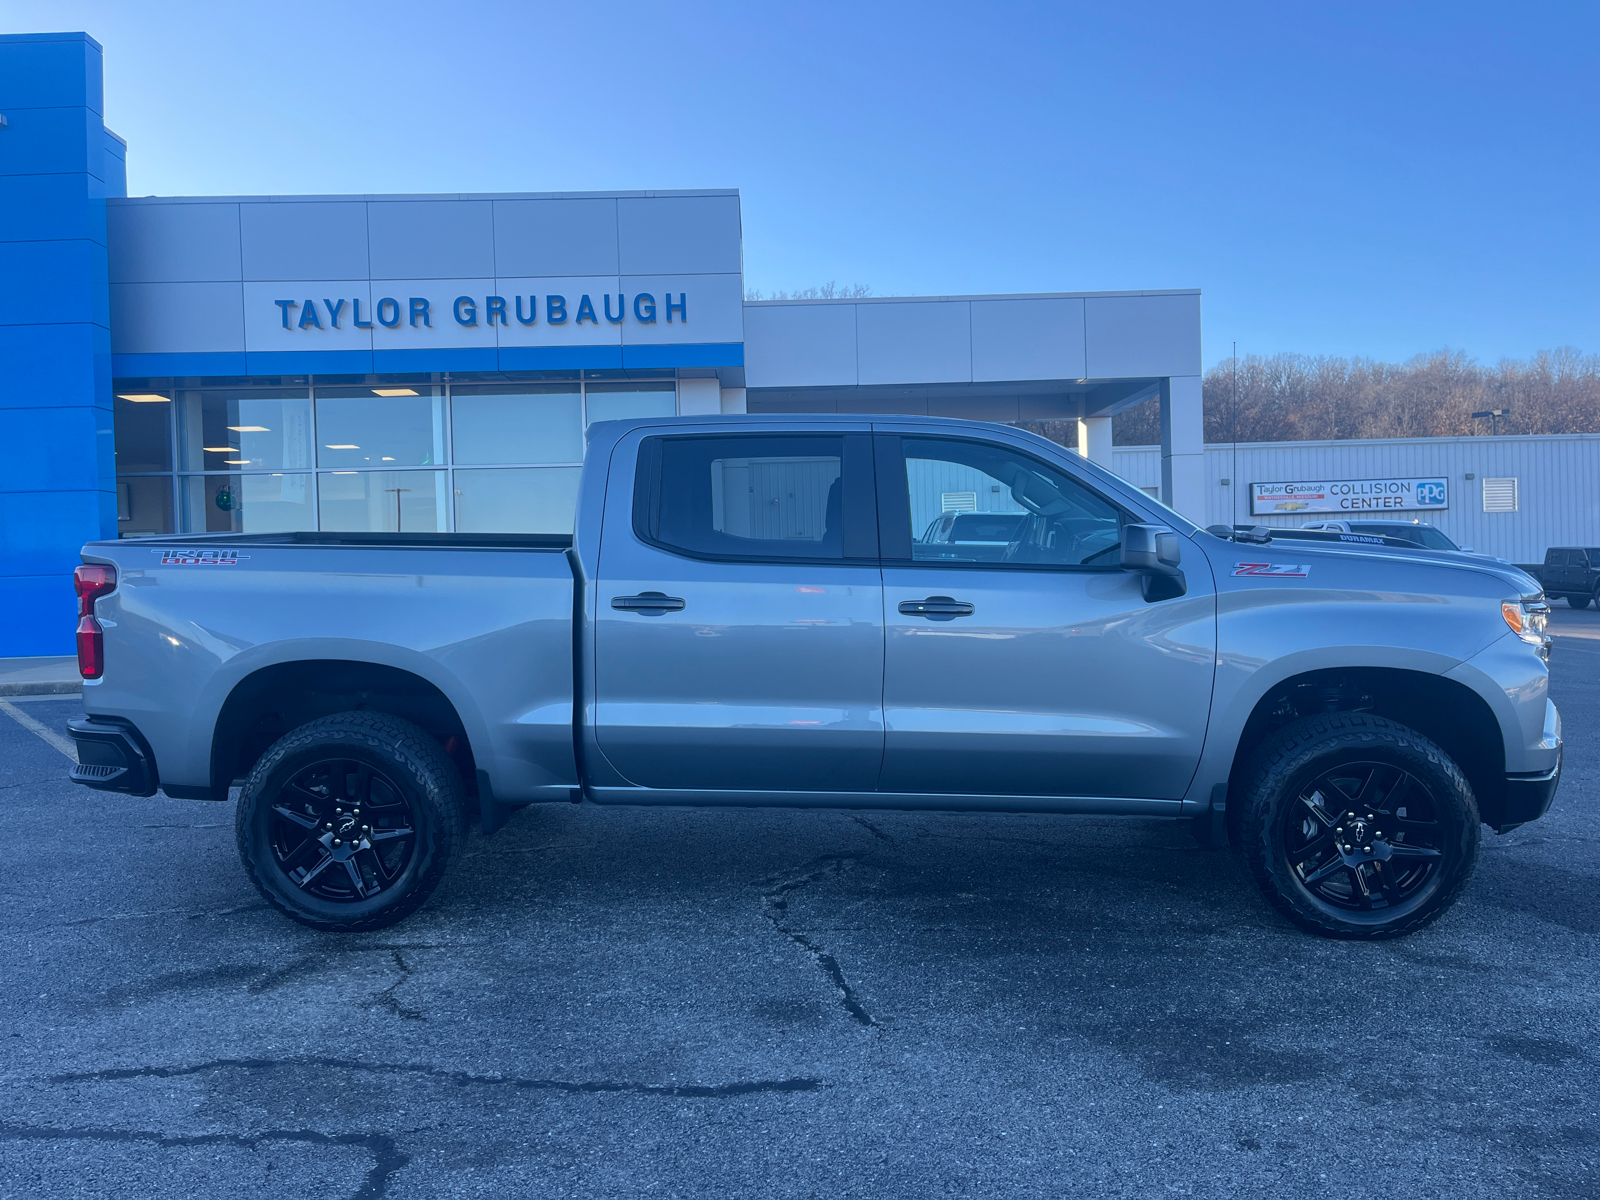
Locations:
{"points": [[1154, 552], [1466, 549]]}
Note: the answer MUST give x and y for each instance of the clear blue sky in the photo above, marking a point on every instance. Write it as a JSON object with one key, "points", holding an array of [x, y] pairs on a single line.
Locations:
{"points": [[1373, 179]]}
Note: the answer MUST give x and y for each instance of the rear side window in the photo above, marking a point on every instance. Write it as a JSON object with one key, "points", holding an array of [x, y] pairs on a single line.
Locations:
{"points": [[759, 498]]}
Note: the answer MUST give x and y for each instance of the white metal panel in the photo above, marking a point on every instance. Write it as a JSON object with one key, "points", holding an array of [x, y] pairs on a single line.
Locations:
{"points": [[176, 318], [431, 239], [914, 341], [679, 235], [568, 332], [1028, 339], [443, 329], [172, 243], [714, 309], [304, 239], [556, 237], [1558, 483], [800, 345], [263, 320], [1141, 337]]}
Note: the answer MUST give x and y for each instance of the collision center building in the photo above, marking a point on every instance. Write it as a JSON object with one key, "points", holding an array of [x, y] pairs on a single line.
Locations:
{"points": [[431, 363]]}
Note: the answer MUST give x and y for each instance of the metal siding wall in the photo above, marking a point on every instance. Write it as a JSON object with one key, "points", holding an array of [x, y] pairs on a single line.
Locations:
{"points": [[1558, 481]]}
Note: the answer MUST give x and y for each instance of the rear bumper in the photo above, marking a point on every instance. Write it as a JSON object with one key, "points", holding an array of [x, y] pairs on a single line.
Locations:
{"points": [[112, 757], [1527, 798]]}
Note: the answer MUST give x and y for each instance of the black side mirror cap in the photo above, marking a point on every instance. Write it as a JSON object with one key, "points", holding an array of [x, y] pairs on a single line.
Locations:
{"points": [[1155, 552]]}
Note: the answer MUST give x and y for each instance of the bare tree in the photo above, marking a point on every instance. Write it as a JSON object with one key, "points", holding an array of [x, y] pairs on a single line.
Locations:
{"points": [[1296, 397], [827, 291]]}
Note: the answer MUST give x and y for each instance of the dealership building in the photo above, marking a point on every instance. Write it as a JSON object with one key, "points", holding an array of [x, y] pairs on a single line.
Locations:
{"points": [[431, 363]]}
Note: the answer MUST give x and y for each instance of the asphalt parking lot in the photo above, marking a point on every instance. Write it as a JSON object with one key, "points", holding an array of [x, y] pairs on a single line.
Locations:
{"points": [[612, 1003]]}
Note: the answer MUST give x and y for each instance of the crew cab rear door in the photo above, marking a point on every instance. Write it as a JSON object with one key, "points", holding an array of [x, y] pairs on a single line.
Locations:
{"points": [[1041, 670], [738, 633]]}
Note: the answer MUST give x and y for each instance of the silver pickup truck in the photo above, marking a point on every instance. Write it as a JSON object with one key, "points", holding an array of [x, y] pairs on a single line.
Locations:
{"points": [[771, 611]]}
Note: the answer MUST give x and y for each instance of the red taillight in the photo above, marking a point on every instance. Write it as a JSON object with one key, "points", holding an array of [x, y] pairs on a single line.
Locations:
{"points": [[91, 581]]}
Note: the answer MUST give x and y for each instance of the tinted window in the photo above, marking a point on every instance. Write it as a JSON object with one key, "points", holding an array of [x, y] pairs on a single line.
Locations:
{"points": [[1594, 556], [746, 497], [1425, 536], [1009, 508]]}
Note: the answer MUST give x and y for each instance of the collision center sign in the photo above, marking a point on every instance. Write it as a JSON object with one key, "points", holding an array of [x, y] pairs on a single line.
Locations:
{"points": [[1349, 496]]}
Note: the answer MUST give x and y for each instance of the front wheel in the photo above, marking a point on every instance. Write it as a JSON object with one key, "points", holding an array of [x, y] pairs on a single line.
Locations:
{"points": [[1357, 827], [349, 822], [1578, 601]]}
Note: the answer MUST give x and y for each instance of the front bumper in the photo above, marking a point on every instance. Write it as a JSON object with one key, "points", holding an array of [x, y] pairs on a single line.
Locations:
{"points": [[112, 757], [1528, 797]]}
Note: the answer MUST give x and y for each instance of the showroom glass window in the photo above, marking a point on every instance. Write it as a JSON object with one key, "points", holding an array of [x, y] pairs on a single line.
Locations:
{"points": [[387, 456]]}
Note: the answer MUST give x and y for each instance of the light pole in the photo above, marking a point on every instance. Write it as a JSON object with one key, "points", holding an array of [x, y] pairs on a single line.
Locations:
{"points": [[1494, 415]]}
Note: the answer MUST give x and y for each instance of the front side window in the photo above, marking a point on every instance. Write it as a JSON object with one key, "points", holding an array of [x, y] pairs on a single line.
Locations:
{"points": [[769, 497], [975, 502]]}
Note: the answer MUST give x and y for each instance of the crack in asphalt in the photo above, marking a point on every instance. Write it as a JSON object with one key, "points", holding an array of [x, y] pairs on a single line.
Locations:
{"points": [[387, 1158], [871, 828], [775, 907], [387, 999], [690, 1091]]}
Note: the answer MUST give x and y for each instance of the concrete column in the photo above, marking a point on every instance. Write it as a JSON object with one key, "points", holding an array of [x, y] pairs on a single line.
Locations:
{"points": [[733, 400], [699, 397], [1183, 447], [1094, 440], [60, 164]]}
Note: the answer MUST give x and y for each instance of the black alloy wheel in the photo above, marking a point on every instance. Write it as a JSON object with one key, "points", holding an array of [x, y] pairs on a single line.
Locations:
{"points": [[342, 830], [1358, 827], [349, 822], [1364, 836]]}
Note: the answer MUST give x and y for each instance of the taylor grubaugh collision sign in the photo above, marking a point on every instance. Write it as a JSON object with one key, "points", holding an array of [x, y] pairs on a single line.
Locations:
{"points": [[1349, 496]]}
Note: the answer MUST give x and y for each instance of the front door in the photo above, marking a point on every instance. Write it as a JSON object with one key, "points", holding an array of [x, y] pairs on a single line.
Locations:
{"points": [[739, 627], [1021, 660]]}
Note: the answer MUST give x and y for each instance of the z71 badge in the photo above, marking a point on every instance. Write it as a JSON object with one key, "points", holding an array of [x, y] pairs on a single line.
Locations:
{"points": [[200, 558], [1277, 570]]}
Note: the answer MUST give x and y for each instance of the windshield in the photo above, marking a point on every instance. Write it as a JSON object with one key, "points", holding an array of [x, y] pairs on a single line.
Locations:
{"points": [[1424, 535]]}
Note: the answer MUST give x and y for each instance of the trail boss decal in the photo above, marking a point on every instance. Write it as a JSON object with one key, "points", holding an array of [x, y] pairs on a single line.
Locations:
{"points": [[200, 558], [1278, 570]]}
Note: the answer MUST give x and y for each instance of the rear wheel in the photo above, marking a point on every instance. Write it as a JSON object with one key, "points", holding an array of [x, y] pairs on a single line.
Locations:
{"points": [[1578, 601], [349, 822], [1357, 827]]}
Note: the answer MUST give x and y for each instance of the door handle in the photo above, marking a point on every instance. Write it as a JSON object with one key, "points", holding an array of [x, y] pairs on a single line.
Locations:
{"points": [[649, 604], [937, 608]]}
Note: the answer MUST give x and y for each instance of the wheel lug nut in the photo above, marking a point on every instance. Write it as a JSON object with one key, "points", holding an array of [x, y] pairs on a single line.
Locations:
{"points": [[1366, 849]]}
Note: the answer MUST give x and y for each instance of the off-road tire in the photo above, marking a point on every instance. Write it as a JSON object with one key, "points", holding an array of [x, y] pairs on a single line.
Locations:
{"points": [[1299, 755], [1578, 601], [410, 760]]}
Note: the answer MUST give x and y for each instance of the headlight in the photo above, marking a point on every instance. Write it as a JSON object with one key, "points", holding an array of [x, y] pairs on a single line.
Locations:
{"points": [[1526, 620]]}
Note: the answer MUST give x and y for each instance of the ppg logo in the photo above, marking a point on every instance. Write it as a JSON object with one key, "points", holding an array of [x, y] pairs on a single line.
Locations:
{"points": [[1431, 494]]}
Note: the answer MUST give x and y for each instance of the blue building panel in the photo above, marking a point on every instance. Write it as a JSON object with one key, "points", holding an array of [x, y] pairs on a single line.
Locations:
{"points": [[37, 208], [55, 364], [560, 358], [53, 141], [302, 362], [66, 283], [713, 354], [87, 429], [50, 70], [43, 532], [40, 613], [54, 332], [408, 361], [152, 366]]}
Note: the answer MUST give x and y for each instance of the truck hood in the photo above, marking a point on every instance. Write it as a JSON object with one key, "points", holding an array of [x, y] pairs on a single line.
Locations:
{"points": [[1513, 579]]}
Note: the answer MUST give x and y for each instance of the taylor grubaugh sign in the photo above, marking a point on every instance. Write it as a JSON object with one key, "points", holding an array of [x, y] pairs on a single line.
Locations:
{"points": [[1349, 496]]}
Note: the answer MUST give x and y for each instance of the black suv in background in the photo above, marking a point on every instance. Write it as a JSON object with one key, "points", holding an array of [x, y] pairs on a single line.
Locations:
{"points": [[1570, 571]]}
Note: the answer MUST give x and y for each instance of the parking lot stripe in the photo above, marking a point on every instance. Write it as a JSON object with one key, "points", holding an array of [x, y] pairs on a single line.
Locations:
{"points": [[50, 735]]}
